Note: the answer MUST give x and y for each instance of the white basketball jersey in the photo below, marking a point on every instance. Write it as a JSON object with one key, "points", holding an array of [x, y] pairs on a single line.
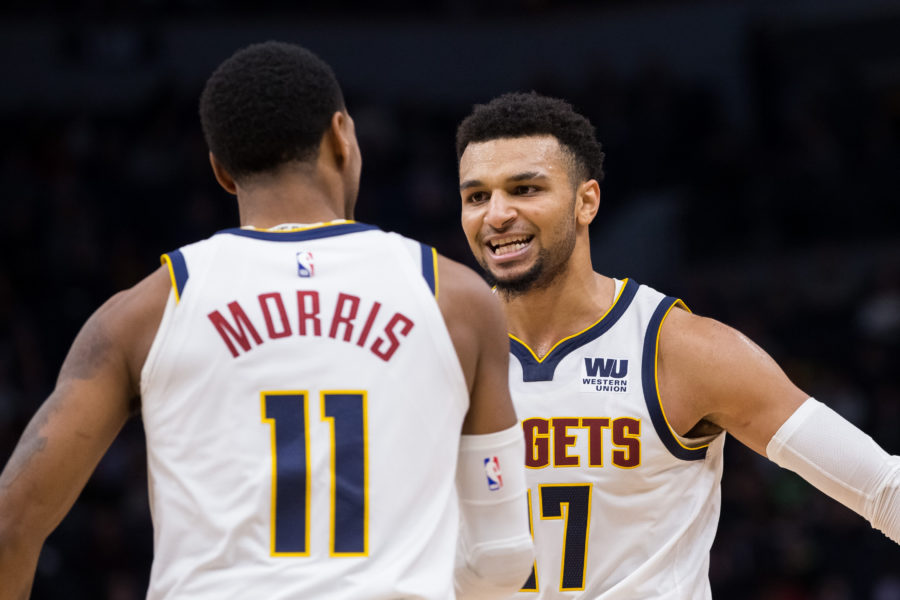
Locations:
{"points": [[621, 508], [303, 403]]}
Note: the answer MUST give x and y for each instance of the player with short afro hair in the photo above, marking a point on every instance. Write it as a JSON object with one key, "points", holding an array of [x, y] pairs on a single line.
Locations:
{"points": [[520, 114], [268, 104]]}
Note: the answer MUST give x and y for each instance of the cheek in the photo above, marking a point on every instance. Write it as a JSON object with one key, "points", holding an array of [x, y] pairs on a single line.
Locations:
{"points": [[560, 226], [470, 226]]}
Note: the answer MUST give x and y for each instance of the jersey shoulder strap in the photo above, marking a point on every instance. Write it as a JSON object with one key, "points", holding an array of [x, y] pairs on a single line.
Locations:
{"points": [[426, 257]]}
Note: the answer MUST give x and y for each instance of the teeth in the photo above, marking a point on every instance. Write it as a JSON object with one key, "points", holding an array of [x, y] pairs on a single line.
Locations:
{"points": [[509, 248], [506, 247]]}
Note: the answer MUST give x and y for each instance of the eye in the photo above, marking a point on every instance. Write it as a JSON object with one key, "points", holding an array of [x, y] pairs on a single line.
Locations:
{"points": [[477, 197], [524, 190]]}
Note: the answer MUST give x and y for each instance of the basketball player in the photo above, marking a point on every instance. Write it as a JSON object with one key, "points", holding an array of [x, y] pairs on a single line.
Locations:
{"points": [[313, 390], [623, 394]]}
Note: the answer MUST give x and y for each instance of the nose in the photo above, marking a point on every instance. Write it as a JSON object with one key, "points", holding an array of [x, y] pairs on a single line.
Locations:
{"points": [[500, 211]]}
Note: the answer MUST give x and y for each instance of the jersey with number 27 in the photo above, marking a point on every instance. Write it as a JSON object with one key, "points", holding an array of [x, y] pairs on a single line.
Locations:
{"points": [[621, 507], [302, 402]]}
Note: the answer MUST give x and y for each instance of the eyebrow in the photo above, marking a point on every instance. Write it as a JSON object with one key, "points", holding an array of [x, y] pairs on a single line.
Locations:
{"points": [[470, 183]]}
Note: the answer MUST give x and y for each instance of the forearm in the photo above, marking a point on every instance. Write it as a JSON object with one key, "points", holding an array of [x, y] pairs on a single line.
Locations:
{"points": [[885, 509], [841, 461], [20, 539], [48, 469], [495, 552], [18, 562]]}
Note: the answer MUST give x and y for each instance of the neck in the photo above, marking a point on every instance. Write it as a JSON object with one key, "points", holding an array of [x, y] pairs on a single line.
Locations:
{"points": [[289, 195], [573, 301]]}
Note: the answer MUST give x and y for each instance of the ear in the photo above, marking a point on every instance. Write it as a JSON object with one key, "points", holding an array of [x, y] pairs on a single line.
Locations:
{"points": [[587, 202], [342, 133], [222, 175]]}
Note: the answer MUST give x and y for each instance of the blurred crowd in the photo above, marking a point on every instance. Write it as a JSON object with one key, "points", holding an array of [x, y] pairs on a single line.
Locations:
{"points": [[778, 223]]}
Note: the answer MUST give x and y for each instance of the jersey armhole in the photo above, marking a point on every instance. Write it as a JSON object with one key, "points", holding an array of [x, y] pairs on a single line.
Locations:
{"points": [[649, 378], [430, 268], [178, 271]]}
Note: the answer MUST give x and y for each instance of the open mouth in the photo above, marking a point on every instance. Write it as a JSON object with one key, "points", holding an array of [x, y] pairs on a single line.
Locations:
{"points": [[508, 245]]}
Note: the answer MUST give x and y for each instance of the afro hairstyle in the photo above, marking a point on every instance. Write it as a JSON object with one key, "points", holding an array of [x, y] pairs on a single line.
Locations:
{"points": [[520, 114], [268, 104]]}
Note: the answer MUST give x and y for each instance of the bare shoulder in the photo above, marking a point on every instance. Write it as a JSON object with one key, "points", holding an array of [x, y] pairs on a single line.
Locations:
{"points": [[697, 344], [710, 372], [464, 294], [690, 336], [473, 316], [120, 331]]}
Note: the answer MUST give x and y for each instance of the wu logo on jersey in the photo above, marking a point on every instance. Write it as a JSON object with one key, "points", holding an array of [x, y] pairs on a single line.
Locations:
{"points": [[493, 474], [605, 367], [605, 375], [305, 266]]}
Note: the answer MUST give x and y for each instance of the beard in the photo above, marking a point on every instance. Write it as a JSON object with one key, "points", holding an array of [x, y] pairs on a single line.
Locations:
{"points": [[520, 284], [550, 264]]}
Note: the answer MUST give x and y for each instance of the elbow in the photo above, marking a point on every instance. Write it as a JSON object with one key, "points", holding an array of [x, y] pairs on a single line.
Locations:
{"points": [[883, 509], [496, 570], [509, 566]]}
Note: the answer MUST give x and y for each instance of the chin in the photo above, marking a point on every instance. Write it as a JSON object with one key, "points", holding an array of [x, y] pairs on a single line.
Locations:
{"points": [[513, 285]]}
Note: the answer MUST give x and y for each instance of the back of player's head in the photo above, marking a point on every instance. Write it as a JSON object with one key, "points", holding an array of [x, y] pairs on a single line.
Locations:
{"points": [[525, 114], [266, 105]]}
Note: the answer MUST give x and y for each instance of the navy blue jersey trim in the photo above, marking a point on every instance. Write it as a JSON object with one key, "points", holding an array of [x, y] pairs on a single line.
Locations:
{"points": [[179, 272], [648, 378], [428, 267], [534, 370], [314, 233]]}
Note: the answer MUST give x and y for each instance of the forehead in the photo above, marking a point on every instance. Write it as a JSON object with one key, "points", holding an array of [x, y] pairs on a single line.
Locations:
{"points": [[504, 158]]}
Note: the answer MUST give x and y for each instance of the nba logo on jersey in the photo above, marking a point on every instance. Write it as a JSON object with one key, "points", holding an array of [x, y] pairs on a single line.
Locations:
{"points": [[492, 471], [305, 267]]}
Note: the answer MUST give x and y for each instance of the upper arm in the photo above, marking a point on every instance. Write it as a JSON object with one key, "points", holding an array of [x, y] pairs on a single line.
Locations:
{"points": [[477, 327], [711, 372], [72, 430]]}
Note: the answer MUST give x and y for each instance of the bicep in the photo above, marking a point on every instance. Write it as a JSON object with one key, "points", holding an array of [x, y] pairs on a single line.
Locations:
{"points": [[477, 327], [69, 434], [490, 405], [710, 371]]}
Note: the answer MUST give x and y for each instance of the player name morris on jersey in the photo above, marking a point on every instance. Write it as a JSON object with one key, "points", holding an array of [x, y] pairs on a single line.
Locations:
{"points": [[344, 321]]}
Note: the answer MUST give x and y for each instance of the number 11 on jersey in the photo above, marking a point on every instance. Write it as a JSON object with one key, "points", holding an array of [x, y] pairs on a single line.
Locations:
{"points": [[286, 412]]}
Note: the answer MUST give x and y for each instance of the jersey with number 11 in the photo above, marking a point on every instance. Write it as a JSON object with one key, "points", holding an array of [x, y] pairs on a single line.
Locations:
{"points": [[302, 403]]}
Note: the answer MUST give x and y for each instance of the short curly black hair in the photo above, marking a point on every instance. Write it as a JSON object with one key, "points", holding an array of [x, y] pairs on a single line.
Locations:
{"points": [[521, 114], [268, 104]]}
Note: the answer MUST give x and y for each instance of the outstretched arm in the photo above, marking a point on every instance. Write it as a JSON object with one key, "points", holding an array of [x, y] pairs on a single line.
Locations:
{"points": [[72, 430], [713, 377]]}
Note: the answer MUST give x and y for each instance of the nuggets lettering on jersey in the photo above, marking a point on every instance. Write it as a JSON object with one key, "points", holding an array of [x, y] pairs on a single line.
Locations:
{"points": [[620, 507], [337, 322], [550, 442], [293, 374]]}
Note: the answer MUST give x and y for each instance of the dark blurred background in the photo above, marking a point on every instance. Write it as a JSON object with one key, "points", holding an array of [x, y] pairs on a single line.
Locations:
{"points": [[753, 165]]}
